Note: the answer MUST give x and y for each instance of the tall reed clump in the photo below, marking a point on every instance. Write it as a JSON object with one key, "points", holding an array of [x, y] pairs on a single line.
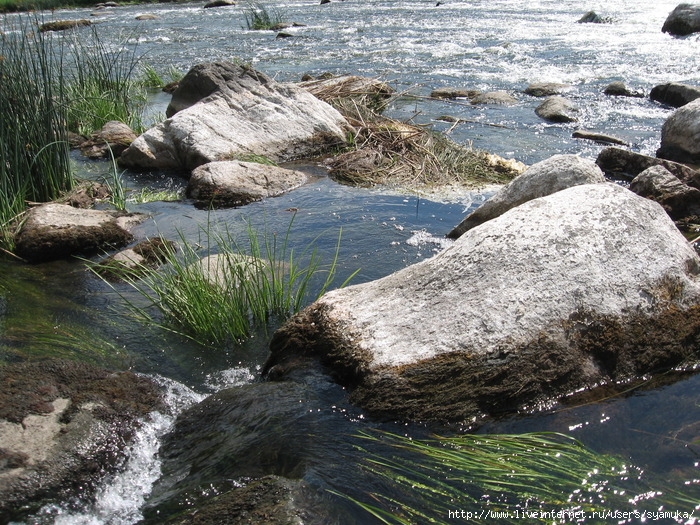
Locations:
{"points": [[102, 84], [260, 17], [221, 295], [505, 478], [33, 147], [51, 84]]}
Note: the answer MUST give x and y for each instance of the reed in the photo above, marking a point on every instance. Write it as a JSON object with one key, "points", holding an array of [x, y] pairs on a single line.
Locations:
{"points": [[503, 478], [49, 85], [260, 17], [35, 158], [223, 293], [102, 84]]}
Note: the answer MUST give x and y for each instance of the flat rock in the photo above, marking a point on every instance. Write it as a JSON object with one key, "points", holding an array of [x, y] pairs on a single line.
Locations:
{"points": [[588, 285], [544, 178], [221, 110], [499, 98], [546, 89], [56, 231], [453, 93], [236, 183]]}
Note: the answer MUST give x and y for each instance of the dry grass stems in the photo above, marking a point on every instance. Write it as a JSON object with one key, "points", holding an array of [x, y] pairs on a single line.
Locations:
{"points": [[387, 152]]}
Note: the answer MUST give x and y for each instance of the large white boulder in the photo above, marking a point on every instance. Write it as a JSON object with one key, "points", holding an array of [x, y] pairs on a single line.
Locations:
{"points": [[242, 112], [588, 285]]}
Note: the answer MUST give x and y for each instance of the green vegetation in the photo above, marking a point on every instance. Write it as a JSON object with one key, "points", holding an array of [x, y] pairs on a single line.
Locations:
{"points": [[259, 17], [505, 477], [48, 87], [229, 293], [33, 147]]}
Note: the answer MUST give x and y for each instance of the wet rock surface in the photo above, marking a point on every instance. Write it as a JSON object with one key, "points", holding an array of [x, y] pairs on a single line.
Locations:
{"points": [[543, 300], [683, 20], [63, 426]]}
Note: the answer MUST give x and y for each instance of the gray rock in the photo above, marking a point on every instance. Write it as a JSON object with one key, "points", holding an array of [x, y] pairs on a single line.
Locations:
{"points": [[619, 89], [591, 17], [544, 178], [220, 110], [56, 231], [546, 89], [236, 183], [683, 20], [114, 137], [660, 185], [219, 3], [557, 109], [625, 164], [590, 285], [674, 94], [453, 93], [680, 135], [501, 98]]}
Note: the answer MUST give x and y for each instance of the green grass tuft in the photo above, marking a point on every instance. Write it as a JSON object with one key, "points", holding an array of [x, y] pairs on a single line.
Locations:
{"points": [[224, 293]]}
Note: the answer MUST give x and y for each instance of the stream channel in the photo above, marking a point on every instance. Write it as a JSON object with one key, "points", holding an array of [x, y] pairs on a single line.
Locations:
{"points": [[309, 431]]}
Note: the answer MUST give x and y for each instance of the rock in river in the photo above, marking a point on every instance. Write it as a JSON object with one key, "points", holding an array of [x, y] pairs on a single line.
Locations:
{"points": [[56, 231], [236, 183], [588, 285], [64, 425], [544, 178], [222, 110], [680, 135]]}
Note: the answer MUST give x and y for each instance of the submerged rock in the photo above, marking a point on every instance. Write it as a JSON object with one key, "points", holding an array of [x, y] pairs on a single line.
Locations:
{"points": [[683, 20], [680, 135], [64, 425], [56, 231], [221, 110], [585, 286], [544, 178], [619, 89], [236, 183]]}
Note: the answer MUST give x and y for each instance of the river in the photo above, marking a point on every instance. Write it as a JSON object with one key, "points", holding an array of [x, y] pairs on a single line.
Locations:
{"points": [[416, 47]]}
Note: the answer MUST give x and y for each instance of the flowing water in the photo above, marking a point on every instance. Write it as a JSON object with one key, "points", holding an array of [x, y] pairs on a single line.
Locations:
{"points": [[415, 46]]}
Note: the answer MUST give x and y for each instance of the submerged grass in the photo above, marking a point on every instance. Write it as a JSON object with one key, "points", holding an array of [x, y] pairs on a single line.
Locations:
{"points": [[235, 289], [539, 477]]}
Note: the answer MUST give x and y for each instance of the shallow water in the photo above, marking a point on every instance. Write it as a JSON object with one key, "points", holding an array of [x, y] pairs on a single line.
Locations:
{"points": [[60, 308]]}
